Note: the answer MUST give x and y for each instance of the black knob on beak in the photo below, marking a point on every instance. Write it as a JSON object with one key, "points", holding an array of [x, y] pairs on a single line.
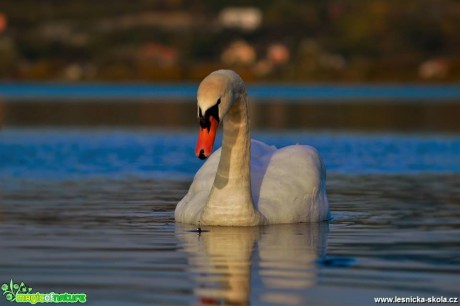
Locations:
{"points": [[201, 155]]}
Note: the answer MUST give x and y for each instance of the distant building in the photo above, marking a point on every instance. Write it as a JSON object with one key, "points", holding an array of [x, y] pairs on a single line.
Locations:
{"points": [[278, 54], [433, 68], [239, 53], [247, 19]]}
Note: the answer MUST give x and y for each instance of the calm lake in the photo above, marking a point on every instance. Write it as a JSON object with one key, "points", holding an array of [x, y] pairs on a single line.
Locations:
{"points": [[88, 191]]}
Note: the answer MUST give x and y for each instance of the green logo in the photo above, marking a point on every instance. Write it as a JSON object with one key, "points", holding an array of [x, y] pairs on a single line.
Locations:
{"points": [[13, 289], [21, 293]]}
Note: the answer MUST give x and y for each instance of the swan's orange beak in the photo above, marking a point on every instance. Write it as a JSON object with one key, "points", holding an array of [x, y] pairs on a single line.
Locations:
{"points": [[206, 139]]}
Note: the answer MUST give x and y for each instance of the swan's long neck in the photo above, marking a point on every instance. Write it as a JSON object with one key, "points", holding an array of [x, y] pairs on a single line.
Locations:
{"points": [[230, 199], [234, 165]]}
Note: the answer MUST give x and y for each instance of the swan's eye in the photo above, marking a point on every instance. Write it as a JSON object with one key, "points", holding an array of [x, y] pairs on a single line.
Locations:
{"points": [[213, 111], [205, 123]]}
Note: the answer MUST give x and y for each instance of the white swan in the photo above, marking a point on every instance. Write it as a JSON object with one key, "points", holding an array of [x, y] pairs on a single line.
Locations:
{"points": [[247, 182]]}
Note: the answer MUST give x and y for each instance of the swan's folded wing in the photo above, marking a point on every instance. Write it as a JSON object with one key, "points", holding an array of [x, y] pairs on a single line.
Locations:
{"points": [[293, 186]]}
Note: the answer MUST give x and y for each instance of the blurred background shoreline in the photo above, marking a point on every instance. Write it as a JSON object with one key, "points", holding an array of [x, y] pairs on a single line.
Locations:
{"points": [[336, 64], [264, 41]]}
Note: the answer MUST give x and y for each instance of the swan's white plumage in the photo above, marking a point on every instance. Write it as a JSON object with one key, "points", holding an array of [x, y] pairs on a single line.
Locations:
{"points": [[286, 185]]}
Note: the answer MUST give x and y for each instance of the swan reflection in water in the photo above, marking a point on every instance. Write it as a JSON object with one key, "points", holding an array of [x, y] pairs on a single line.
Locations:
{"points": [[227, 261]]}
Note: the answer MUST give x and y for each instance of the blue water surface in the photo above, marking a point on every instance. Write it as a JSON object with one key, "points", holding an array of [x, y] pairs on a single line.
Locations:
{"points": [[285, 92], [72, 153], [92, 210]]}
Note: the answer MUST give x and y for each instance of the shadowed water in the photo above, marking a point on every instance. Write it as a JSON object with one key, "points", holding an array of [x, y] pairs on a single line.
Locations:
{"points": [[92, 211]]}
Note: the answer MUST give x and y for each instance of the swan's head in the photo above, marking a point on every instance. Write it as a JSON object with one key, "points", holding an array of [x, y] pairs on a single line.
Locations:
{"points": [[216, 94]]}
